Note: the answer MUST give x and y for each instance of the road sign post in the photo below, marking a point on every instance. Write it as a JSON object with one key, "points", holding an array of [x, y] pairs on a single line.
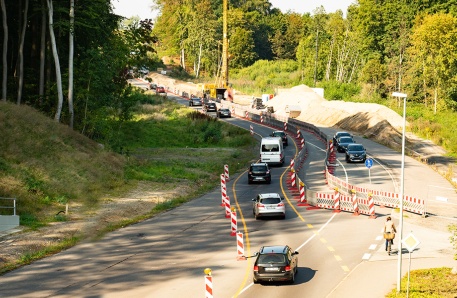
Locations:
{"points": [[369, 164]]}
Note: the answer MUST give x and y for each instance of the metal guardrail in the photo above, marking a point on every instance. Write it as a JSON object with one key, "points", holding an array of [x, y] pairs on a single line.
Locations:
{"points": [[9, 207]]}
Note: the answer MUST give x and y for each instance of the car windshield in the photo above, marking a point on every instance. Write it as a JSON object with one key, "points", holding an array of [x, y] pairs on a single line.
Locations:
{"points": [[346, 140], [272, 258], [279, 134], [271, 200], [356, 148]]}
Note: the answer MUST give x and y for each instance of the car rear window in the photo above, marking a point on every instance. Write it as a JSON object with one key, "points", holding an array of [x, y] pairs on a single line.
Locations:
{"points": [[259, 168], [271, 201], [270, 148], [272, 258]]}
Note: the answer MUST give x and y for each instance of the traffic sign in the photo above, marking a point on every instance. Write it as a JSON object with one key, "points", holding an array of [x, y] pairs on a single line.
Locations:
{"points": [[410, 242], [368, 162]]}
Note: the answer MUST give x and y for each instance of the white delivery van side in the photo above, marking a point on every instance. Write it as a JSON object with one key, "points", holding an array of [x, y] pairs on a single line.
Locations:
{"points": [[271, 150]]}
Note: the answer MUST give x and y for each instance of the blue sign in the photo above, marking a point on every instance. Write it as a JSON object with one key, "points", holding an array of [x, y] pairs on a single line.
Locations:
{"points": [[368, 162]]}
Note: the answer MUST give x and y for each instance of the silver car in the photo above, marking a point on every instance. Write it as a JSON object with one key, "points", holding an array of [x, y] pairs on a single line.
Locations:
{"points": [[268, 204]]}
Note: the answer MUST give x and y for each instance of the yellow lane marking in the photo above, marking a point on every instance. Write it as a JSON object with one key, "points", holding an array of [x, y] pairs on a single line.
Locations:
{"points": [[338, 258], [330, 248]]}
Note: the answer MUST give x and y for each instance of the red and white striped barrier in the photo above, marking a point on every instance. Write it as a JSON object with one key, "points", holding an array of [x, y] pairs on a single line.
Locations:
{"points": [[302, 143], [371, 206], [285, 126], [227, 207], [292, 164], [330, 146], [233, 111], [208, 286], [239, 246], [233, 223], [336, 199], [247, 115], [226, 171], [298, 133], [223, 189], [251, 129], [302, 202], [261, 118], [293, 178], [355, 203]]}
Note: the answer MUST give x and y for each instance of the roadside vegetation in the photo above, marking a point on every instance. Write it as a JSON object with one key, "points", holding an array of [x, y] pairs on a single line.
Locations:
{"points": [[47, 165]]}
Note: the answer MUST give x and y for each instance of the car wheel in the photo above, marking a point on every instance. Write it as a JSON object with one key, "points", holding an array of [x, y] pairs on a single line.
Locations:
{"points": [[269, 181], [347, 159], [249, 182]]}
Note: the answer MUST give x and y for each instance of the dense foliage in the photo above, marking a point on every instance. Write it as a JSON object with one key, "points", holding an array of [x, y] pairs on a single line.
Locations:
{"points": [[367, 52]]}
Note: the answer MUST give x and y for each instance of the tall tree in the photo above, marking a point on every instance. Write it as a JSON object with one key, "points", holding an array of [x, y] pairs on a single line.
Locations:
{"points": [[21, 53], [70, 62], [5, 51], [56, 62]]}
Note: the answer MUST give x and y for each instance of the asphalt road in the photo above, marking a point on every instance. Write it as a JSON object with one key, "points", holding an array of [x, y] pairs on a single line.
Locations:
{"points": [[165, 256]]}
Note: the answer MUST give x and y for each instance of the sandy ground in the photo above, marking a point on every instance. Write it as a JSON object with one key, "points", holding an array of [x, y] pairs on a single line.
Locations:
{"points": [[371, 120]]}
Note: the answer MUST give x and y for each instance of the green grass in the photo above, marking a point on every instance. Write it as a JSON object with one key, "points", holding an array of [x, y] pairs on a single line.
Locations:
{"points": [[428, 283]]}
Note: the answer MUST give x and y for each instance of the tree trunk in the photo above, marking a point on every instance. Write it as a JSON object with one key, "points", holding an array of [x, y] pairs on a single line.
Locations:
{"points": [[5, 50], [199, 60], [329, 62], [21, 54], [56, 62], [70, 63], [42, 48]]}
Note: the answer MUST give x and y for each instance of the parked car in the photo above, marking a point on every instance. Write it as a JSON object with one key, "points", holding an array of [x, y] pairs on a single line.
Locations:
{"points": [[221, 113], [339, 134], [160, 90], [356, 152], [210, 107], [281, 134], [153, 86], [259, 172], [343, 143], [268, 204], [275, 263], [195, 101]]}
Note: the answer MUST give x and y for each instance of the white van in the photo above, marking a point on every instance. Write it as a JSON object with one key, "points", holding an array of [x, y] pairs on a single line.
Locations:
{"points": [[271, 150]]}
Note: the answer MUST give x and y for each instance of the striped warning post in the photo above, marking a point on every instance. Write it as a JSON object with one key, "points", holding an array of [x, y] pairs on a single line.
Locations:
{"points": [[227, 207], [226, 171], [208, 286], [371, 205], [354, 202], [302, 143], [292, 164], [298, 133], [239, 246], [261, 118], [233, 111], [247, 115], [336, 199], [330, 146], [292, 180], [285, 126], [251, 129], [302, 202], [223, 189], [233, 223]]}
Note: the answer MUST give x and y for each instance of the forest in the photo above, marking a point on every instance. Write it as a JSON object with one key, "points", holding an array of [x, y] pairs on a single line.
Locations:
{"points": [[69, 59]]}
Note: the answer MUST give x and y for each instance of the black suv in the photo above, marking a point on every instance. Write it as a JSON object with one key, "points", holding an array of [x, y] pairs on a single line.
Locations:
{"points": [[280, 134], [356, 152], [259, 172], [275, 263]]}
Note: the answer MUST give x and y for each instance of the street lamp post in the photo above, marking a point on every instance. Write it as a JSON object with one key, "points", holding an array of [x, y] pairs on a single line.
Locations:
{"points": [[402, 188]]}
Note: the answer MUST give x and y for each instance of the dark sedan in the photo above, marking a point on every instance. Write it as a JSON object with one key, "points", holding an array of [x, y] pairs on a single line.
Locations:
{"points": [[275, 263], [195, 101], [224, 113]]}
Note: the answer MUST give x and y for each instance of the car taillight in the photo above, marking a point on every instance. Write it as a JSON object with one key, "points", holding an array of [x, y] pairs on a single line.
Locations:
{"points": [[287, 268], [256, 268], [280, 204], [268, 172], [261, 205]]}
